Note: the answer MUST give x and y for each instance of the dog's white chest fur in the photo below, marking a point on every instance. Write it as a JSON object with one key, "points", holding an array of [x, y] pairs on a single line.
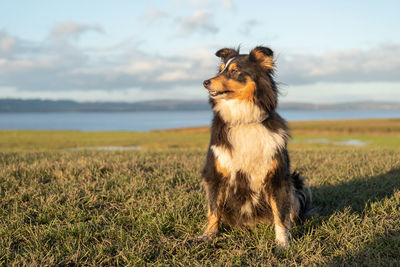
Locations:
{"points": [[253, 149]]}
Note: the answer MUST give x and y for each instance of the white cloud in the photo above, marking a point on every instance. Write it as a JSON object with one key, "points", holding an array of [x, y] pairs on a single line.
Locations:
{"points": [[72, 29], [199, 21], [380, 63]]}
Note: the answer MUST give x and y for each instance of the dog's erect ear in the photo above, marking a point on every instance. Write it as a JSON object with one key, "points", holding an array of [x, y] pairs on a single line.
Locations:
{"points": [[225, 53], [263, 56]]}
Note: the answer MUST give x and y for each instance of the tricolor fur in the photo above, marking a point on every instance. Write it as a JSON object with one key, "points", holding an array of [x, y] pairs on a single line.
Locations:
{"points": [[247, 177]]}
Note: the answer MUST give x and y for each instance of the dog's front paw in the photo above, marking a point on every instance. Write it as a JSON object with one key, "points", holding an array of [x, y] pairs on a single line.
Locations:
{"points": [[282, 237], [282, 243]]}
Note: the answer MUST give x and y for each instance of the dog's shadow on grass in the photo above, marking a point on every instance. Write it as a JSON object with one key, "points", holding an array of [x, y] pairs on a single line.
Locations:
{"points": [[355, 194], [352, 196], [385, 245]]}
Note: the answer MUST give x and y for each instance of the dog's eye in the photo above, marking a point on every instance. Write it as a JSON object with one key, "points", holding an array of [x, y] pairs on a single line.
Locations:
{"points": [[233, 71]]}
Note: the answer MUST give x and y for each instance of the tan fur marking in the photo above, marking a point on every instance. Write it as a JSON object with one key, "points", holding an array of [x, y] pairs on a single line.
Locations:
{"points": [[233, 66], [245, 93], [273, 166], [222, 66], [221, 170], [240, 91], [212, 224], [234, 86], [275, 212], [213, 218], [265, 61], [221, 83]]}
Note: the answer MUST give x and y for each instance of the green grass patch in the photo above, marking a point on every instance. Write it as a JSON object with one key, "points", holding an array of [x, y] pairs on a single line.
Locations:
{"points": [[12, 140], [378, 133], [145, 207]]}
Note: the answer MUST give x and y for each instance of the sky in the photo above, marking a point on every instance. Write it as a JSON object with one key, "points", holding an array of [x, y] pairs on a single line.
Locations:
{"points": [[325, 52]]}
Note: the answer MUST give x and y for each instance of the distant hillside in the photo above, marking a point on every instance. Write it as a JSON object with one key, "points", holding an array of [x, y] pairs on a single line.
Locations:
{"points": [[18, 105]]}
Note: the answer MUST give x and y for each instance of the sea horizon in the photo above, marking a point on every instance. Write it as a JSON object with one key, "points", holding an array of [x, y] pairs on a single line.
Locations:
{"points": [[158, 120]]}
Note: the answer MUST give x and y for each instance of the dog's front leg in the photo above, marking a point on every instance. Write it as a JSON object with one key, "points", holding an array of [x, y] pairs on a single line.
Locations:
{"points": [[214, 197], [280, 206]]}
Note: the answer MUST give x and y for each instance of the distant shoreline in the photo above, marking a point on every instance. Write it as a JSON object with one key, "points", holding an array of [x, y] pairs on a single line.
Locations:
{"points": [[37, 105], [157, 120]]}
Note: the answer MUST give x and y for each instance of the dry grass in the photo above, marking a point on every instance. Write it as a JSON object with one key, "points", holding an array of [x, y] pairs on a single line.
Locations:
{"points": [[366, 126]]}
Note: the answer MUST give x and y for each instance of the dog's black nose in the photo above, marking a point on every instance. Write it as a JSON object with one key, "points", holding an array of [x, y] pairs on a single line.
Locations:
{"points": [[206, 83]]}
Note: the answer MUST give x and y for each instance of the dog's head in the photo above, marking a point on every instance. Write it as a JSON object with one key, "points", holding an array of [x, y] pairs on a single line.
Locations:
{"points": [[245, 78]]}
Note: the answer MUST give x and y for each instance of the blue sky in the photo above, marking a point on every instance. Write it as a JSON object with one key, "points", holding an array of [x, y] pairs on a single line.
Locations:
{"points": [[326, 52]]}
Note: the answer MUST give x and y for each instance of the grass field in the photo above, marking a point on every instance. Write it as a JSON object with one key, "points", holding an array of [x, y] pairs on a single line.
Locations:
{"points": [[145, 206]]}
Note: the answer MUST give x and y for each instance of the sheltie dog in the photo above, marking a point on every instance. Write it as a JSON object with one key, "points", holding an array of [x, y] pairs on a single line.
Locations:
{"points": [[247, 176]]}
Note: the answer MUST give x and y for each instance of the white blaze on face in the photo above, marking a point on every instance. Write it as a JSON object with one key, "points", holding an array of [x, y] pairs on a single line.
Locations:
{"points": [[227, 64]]}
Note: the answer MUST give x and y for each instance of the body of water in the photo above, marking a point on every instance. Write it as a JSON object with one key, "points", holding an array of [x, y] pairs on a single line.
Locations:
{"points": [[153, 120]]}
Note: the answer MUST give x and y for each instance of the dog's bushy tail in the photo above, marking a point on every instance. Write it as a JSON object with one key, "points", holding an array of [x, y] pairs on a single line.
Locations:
{"points": [[304, 195]]}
